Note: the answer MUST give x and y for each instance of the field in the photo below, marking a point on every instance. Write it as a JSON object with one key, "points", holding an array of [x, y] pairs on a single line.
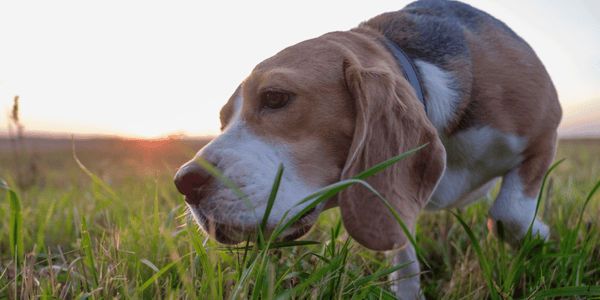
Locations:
{"points": [[116, 229]]}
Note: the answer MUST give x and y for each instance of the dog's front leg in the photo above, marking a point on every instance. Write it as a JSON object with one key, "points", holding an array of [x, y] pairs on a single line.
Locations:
{"points": [[407, 283]]}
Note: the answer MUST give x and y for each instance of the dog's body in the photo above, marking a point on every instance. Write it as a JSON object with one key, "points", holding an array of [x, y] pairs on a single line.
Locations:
{"points": [[331, 107]]}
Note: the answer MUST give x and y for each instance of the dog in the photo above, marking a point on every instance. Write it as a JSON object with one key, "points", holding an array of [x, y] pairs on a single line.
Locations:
{"points": [[436, 73]]}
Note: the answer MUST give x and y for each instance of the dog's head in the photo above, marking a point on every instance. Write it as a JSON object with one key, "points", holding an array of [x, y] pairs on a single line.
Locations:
{"points": [[326, 109]]}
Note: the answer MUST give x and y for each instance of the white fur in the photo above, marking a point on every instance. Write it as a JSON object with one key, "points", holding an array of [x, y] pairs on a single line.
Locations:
{"points": [[251, 162], [442, 102], [474, 158], [516, 210], [407, 283]]}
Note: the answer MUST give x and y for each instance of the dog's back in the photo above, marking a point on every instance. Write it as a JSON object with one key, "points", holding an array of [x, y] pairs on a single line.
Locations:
{"points": [[491, 66]]}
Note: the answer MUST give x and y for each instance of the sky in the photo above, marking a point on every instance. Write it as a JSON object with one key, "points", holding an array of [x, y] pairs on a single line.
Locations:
{"points": [[149, 68]]}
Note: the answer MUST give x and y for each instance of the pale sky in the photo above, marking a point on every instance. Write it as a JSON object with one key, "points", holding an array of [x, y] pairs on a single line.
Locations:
{"points": [[148, 68]]}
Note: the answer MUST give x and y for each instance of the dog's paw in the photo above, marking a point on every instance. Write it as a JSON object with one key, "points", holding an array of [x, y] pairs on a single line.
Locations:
{"points": [[515, 234], [540, 228], [408, 289]]}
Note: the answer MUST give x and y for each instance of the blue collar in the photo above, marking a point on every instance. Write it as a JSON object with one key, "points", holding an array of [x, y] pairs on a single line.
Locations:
{"points": [[410, 71]]}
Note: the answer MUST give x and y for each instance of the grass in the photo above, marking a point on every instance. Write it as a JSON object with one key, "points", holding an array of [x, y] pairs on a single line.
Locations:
{"points": [[114, 229]]}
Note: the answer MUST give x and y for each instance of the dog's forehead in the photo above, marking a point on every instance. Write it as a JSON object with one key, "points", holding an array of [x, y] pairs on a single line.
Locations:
{"points": [[315, 57]]}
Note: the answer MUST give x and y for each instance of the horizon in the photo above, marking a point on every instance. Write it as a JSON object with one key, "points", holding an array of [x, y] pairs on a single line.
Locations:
{"points": [[157, 70], [574, 131]]}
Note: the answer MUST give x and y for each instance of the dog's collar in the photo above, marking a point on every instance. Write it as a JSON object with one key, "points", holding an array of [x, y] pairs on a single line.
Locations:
{"points": [[410, 71]]}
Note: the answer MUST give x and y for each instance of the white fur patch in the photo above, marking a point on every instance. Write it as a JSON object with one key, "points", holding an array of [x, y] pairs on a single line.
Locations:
{"points": [[474, 157], [442, 102], [516, 210]]}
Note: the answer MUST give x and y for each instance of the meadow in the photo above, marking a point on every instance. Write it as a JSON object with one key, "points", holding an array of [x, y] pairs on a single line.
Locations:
{"points": [[113, 226]]}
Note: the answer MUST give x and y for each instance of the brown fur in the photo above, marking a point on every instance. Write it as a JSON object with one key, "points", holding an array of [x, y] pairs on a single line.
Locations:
{"points": [[324, 124], [389, 123], [520, 99]]}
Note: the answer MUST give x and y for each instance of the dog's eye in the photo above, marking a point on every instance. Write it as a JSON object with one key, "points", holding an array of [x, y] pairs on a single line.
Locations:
{"points": [[275, 100]]}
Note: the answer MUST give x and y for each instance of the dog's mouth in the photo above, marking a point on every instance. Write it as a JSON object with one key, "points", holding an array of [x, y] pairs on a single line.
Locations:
{"points": [[217, 230], [230, 234]]}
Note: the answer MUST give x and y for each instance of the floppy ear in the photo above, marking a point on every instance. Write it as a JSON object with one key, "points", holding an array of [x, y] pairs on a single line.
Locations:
{"points": [[390, 120]]}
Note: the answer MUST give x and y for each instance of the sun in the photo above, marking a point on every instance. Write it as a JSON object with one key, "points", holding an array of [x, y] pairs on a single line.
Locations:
{"points": [[148, 131]]}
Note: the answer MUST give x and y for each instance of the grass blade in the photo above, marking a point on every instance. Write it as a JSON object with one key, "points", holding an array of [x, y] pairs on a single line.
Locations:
{"points": [[86, 244], [539, 200], [95, 178], [567, 292], [158, 274], [335, 188], [585, 203], [321, 196], [15, 224], [43, 220], [273, 245], [243, 281], [207, 266], [307, 282], [372, 171], [380, 274], [485, 267], [274, 189], [156, 217]]}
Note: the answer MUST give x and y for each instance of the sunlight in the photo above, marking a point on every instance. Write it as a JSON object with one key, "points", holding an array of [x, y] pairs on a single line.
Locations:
{"points": [[148, 130], [162, 80], [153, 144]]}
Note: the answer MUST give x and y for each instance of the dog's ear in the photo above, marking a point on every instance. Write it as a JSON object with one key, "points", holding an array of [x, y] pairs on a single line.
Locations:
{"points": [[390, 120]]}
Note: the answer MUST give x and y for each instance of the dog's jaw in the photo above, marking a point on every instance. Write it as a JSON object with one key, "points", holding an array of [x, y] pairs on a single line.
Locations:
{"points": [[228, 232]]}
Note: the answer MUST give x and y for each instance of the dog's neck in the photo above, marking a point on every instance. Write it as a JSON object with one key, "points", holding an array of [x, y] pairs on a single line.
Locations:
{"points": [[409, 69]]}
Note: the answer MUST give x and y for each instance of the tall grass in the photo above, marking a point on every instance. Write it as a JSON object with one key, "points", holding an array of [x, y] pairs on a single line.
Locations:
{"points": [[124, 235]]}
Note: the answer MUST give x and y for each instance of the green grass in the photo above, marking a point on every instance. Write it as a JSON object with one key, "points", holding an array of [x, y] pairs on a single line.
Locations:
{"points": [[115, 230]]}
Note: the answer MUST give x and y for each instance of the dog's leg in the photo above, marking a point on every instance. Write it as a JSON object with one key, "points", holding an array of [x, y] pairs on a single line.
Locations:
{"points": [[407, 288], [515, 210], [516, 202]]}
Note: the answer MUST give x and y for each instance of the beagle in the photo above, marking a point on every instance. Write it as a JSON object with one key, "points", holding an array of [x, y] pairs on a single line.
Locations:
{"points": [[331, 107]]}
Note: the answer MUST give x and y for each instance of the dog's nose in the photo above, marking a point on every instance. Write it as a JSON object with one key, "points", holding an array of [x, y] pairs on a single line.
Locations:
{"points": [[189, 178]]}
